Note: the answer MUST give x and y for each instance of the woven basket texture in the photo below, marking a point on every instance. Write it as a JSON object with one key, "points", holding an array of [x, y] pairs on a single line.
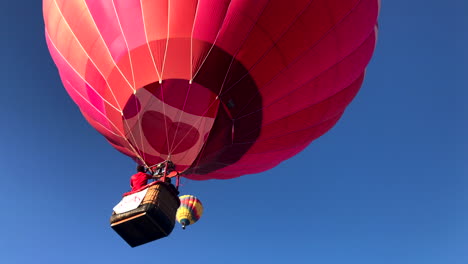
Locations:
{"points": [[159, 197]]}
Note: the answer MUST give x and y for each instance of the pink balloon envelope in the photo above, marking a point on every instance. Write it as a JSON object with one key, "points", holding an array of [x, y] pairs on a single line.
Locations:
{"points": [[221, 88]]}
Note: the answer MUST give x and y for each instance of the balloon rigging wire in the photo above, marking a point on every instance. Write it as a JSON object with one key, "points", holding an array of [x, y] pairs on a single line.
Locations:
{"points": [[194, 75], [119, 109], [84, 98], [157, 73], [133, 87], [214, 42], [160, 77], [165, 120], [112, 132], [162, 72], [97, 110], [220, 93], [139, 146], [180, 117], [77, 73]]}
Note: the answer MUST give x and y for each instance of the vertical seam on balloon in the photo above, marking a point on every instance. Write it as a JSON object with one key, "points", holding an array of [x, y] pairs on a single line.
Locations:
{"points": [[232, 59], [147, 42], [191, 42], [142, 146], [314, 78], [162, 71], [298, 57], [71, 31], [214, 43], [139, 124], [110, 55], [126, 44], [221, 93], [157, 72], [167, 36]]}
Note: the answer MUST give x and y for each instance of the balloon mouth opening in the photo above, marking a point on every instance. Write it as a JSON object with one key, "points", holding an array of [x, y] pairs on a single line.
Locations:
{"points": [[184, 222]]}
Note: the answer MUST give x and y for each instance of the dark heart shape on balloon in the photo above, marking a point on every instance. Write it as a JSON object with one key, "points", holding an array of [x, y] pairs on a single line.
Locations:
{"points": [[159, 130]]}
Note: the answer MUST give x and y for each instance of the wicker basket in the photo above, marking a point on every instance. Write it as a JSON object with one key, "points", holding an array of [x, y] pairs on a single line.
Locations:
{"points": [[153, 219]]}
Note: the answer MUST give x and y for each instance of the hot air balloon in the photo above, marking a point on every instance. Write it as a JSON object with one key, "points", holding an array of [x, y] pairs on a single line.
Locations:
{"points": [[190, 210], [221, 88]]}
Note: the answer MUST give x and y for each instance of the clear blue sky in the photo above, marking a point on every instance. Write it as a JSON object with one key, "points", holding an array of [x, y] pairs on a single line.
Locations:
{"points": [[387, 185]]}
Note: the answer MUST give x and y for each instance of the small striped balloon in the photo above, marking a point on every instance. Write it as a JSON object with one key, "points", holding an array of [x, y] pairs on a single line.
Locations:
{"points": [[190, 210]]}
